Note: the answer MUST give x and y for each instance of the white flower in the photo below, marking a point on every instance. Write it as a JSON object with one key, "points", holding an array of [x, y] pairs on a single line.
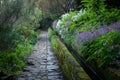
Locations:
{"points": [[81, 12], [59, 24], [65, 15]]}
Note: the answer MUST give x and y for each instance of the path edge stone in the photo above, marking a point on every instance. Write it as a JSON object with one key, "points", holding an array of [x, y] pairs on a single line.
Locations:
{"points": [[70, 67]]}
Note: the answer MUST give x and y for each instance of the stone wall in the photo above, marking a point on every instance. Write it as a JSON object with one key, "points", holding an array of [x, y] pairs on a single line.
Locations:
{"points": [[70, 67]]}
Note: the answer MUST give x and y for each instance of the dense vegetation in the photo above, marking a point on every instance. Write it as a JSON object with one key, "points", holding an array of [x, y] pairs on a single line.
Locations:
{"points": [[91, 27], [94, 31], [18, 19]]}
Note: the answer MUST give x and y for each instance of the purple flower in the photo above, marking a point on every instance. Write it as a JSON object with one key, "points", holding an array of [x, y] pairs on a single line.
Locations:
{"points": [[54, 23], [67, 23], [103, 30], [109, 28], [85, 36], [114, 26], [89, 36]]}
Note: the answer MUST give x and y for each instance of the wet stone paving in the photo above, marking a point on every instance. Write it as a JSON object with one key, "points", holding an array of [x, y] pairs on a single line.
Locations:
{"points": [[42, 64]]}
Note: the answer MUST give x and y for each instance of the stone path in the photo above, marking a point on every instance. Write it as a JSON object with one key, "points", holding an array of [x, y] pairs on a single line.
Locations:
{"points": [[42, 64]]}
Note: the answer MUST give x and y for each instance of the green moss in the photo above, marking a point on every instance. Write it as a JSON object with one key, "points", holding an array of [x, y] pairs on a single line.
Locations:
{"points": [[50, 32], [70, 67]]}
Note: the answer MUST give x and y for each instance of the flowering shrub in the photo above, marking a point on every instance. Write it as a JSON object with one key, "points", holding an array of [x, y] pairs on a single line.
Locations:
{"points": [[78, 15], [88, 36], [100, 43], [104, 49], [63, 26], [54, 24], [90, 42], [88, 31]]}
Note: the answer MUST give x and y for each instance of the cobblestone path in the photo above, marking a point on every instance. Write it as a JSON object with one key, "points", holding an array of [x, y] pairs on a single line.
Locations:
{"points": [[42, 64]]}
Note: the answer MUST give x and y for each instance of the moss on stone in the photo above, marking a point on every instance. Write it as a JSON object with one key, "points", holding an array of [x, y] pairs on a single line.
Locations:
{"points": [[70, 67]]}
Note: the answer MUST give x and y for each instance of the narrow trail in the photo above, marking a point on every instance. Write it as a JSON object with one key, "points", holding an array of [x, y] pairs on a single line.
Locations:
{"points": [[42, 64]]}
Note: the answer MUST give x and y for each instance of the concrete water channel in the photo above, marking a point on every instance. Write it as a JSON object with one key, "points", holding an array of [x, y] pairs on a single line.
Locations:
{"points": [[42, 64]]}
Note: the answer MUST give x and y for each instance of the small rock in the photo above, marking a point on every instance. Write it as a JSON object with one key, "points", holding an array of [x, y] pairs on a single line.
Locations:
{"points": [[30, 63], [25, 70]]}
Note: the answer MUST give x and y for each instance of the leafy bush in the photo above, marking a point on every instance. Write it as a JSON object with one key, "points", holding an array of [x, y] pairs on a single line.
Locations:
{"points": [[88, 44], [6, 34], [17, 37], [10, 64], [103, 49]]}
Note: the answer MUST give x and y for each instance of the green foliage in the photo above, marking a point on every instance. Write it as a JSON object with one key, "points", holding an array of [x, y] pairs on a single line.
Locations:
{"points": [[17, 35], [26, 38], [110, 16], [54, 42], [103, 49], [23, 49], [10, 11], [50, 32], [90, 19], [35, 17], [64, 27], [10, 63], [27, 32], [6, 34]]}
